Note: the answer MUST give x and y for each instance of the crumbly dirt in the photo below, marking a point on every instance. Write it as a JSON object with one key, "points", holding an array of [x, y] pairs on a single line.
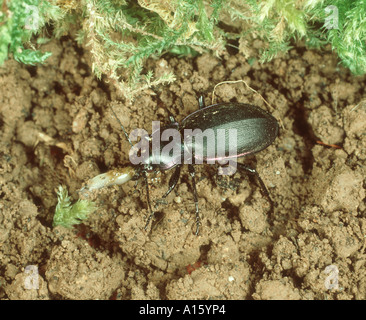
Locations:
{"points": [[57, 127]]}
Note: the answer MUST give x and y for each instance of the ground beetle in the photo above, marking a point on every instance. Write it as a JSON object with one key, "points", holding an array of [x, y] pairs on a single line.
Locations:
{"points": [[256, 130]]}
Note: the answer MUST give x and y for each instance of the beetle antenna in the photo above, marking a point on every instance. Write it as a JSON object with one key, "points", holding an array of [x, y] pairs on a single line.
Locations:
{"points": [[123, 128]]}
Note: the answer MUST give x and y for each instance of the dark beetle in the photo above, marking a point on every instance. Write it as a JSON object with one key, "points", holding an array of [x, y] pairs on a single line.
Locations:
{"points": [[255, 129]]}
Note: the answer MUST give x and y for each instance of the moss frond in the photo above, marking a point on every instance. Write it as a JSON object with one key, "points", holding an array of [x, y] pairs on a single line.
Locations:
{"points": [[121, 35], [19, 22], [68, 214]]}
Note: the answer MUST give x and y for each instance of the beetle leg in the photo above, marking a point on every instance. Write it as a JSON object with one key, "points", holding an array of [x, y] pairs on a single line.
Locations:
{"points": [[173, 181], [255, 173], [192, 173], [172, 184], [148, 201]]}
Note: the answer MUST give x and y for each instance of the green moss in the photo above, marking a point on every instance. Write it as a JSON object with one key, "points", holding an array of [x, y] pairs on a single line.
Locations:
{"points": [[19, 22], [68, 214], [122, 34], [340, 23]]}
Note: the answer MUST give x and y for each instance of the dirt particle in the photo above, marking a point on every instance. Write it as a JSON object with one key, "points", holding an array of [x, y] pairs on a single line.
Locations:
{"points": [[276, 290]]}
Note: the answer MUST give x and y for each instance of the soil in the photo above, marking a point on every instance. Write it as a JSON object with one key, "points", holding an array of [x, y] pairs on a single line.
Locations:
{"points": [[57, 128]]}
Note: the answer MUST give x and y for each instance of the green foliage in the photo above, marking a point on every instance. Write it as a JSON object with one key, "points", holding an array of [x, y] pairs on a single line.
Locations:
{"points": [[19, 21], [280, 21], [349, 40], [66, 214], [122, 34]]}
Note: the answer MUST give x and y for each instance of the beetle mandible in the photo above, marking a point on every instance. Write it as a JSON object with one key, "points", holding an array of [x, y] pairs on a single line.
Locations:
{"points": [[255, 129]]}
